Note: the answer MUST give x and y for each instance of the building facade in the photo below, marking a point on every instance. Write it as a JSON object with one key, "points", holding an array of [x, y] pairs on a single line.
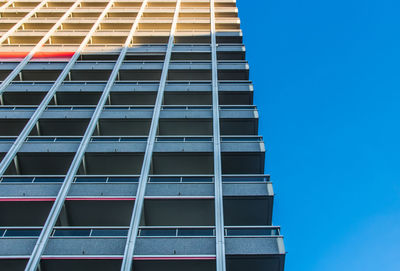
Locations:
{"points": [[129, 139]]}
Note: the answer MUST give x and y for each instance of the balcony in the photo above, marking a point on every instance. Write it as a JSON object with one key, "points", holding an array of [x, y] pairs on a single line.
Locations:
{"points": [[174, 248]]}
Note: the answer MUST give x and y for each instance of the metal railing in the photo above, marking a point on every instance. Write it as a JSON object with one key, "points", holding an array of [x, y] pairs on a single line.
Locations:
{"points": [[148, 231]]}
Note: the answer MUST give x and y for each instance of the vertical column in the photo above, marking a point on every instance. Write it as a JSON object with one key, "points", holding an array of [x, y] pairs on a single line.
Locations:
{"points": [[22, 21], [139, 202], [219, 210], [58, 203]]}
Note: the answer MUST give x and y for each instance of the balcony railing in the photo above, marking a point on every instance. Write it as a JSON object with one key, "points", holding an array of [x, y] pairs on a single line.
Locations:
{"points": [[135, 178], [85, 232]]}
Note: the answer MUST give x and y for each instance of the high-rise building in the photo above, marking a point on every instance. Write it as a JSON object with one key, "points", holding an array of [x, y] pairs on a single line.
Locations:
{"points": [[129, 139]]}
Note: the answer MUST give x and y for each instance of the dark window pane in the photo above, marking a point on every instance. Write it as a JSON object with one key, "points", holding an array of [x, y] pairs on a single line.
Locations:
{"points": [[109, 232], [157, 232], [17, 179], [165, 179], [244, 179], [197, 179], [195, 232], [22, 233], [123, 180], [49, 180], [72, 232], [91, 179], [249, 231]]}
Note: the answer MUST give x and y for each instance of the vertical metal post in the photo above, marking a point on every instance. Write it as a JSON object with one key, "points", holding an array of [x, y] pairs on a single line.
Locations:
{"points": [[139, 202], [219, 206], [58, 204]]}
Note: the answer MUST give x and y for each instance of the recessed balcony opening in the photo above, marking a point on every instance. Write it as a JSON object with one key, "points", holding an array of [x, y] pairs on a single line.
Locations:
{"points": [[6, 26], [182, 163], [193, 26], [185, 127], [231, 55], [23, 98], [89, 75], [226, 26], [93, 4], [13, 14], [130, 15], [254, 262], [239, 126], [187, 98], [191, 56], [95, 56], [67, 39], [127, 4], [174, 265], [123, 127], [13, 264], [24, 213], [115, 26], [229, 39], [132, 98], [152, 26], [112, 163], [25, 4], [109, 39], [36, 26], [245, 211], [23, 39], [158, 15], [233, 74], [59, 4], [11, 127], [182, 38], [243, 163], [76, 26], [43, 163], [139, 75], [80, 264], [195, 5], [178, 212], [235, 98], [144, 56], [95, 213], [161, 4], [4, 74], [85, 14], [189, 75], [225, 4], [35, 75], [150, 39], [77, 98], [60, 127], [50, 14]]}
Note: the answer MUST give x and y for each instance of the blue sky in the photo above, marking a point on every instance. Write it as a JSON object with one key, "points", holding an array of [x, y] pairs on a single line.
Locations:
{"points": [[327, 84]]}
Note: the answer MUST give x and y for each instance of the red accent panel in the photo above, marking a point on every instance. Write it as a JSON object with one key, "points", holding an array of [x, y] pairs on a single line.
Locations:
{"points": [[40, 56], [173, 258]]}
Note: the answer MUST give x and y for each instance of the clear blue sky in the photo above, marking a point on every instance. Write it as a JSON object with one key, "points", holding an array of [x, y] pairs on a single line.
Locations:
{"points": [[327, 84]]}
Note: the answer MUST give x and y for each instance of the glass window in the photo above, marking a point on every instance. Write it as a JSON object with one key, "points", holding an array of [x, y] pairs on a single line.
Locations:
{"points": [[195, 232], [123, 179], [109, 232], [157, 232], [22, 233], [71, 232]]}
